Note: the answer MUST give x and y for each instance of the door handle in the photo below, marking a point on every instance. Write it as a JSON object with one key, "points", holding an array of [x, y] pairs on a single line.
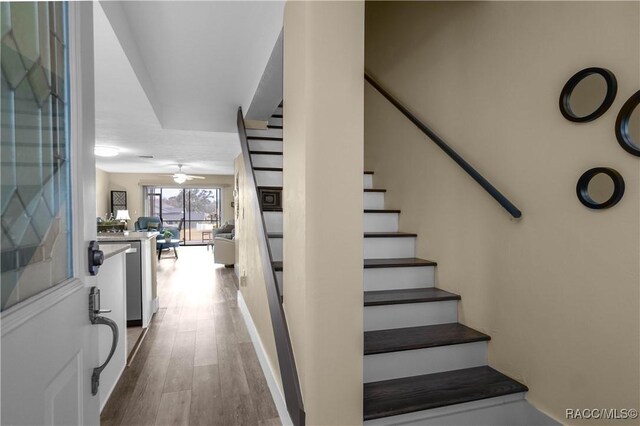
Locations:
{"points": [[94, 310]]}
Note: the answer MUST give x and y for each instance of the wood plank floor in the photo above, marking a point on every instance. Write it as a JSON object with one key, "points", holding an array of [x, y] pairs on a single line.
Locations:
{"points": [[197, 365]]}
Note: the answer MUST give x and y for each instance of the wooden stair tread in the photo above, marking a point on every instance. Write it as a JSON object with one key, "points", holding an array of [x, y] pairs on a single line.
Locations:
{"points": [[263, 138], [425, 336], [381, 211], [265, 153], [402, 262], [375, 190], [366, 234], [389, 235], [410, 394], [409, 295], [268, 169]]}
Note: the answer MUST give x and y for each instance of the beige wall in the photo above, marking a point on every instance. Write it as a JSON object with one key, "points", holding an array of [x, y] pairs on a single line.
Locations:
{"points": [[249, 266], [103, 205], [558, 291], [133, 183], [323, 165]]}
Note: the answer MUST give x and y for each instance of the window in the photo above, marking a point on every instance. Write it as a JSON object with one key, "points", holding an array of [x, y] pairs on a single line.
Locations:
{"points": [[198, 208], [35, 196]]}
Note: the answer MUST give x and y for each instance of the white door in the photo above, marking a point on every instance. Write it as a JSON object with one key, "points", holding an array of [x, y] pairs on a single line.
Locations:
{"points": [[49, 347]]}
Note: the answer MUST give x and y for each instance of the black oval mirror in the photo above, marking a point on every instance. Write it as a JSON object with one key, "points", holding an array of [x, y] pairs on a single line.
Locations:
{"points": [[628, 125], [588, 94], [600, 188]]}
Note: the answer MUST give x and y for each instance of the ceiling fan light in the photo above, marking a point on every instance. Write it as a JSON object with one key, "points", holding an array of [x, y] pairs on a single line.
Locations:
{"points": [[105, 151], [179, 178]]}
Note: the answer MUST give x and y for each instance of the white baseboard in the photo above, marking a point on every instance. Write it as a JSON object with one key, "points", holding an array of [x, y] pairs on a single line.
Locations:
{"points": [[156, 304], [278, 397]]}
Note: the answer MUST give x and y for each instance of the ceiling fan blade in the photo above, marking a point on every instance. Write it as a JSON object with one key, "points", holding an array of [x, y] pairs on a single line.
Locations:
{"points": [[196, 177]]}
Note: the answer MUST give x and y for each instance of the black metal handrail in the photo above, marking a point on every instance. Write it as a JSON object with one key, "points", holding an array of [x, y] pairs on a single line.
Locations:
{"points": [[497, 195], [286, 360]]}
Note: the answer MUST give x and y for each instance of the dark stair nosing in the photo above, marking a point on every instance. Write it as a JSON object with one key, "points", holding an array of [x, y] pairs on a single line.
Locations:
{"points": [[269, 187], [263, 138], [272, 209], [410, 295], [421, 337], [381, 211], [410, 394], [374, 190], [265, 153], [366, 234], [268, 169], [389, 235], [276, 115], [403, 262], [277, 266], [273, 126], [368, 172]]}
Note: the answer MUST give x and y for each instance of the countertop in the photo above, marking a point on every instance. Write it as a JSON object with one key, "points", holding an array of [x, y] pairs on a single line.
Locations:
{"points": [[120, 236], [111, 250]]}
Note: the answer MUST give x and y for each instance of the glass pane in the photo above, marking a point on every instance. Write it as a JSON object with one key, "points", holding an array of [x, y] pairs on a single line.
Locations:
{"points": [[203, 213], [35, 189], [200, 207], [172, 206]]}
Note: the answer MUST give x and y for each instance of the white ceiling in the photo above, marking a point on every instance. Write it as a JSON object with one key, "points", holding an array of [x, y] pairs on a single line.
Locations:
{"points": [[194, 63]]}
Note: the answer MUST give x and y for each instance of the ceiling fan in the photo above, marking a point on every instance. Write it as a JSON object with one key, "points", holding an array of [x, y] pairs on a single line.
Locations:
{"points": [[182, 177]]}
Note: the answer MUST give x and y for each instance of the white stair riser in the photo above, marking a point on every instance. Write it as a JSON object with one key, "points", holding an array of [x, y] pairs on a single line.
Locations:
{"points": [[265, 145], [268, 178], [276, 248], [410, 315], [374, 200], [398, 278], [381, 222], [268, 133], [279, 281], [273, 121], [273, 221], [391, 247], [260, 160], [278, 111], [491, 411], [394, 365], [368, 181]]}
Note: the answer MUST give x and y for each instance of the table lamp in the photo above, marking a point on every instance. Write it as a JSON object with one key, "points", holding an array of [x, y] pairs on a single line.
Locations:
{"points": [[123, 216]]}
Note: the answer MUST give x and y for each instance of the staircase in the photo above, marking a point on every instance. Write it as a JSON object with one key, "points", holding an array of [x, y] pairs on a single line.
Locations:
{"points": [[420, 365], [266, 157]]}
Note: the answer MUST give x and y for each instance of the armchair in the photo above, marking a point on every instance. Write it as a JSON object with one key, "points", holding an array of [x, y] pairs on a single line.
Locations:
{"points": [[224, 251], [175, 230], [226, 230], [142, 224]]}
